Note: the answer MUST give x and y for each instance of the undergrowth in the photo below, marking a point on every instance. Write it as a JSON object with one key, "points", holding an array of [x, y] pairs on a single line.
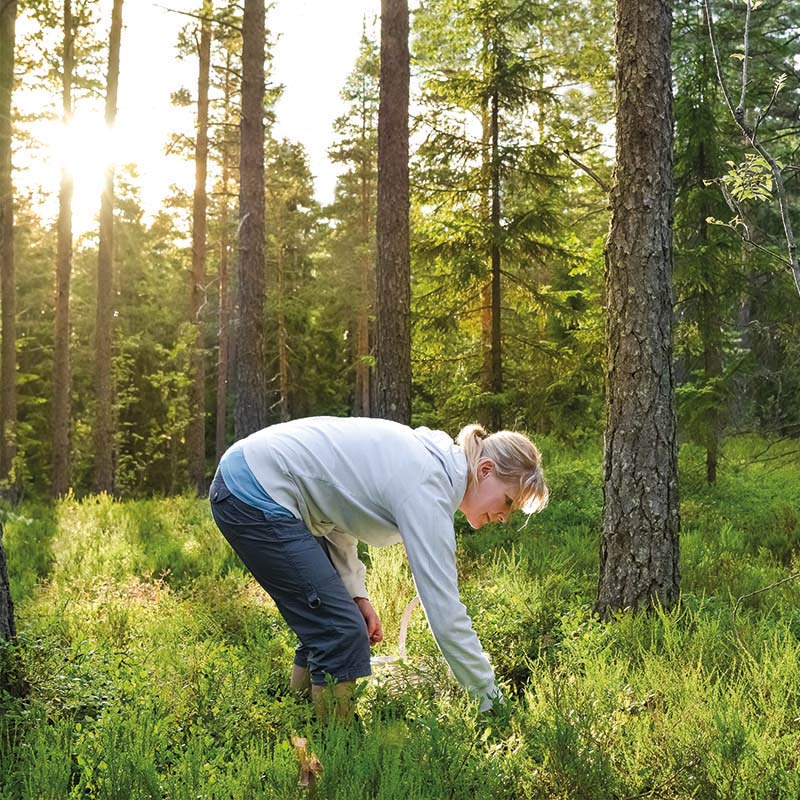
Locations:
{"points": [[156, 668]]}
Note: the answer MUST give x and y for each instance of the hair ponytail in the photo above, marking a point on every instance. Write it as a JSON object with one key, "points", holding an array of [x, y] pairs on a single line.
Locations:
{"points": [[471, 440]]}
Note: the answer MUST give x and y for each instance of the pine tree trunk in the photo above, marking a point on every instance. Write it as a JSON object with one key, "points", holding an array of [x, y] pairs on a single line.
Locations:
{"points": [[104, 431], [639, 563], [363, 374], [251, 400], [485, 414], [496, 380], [712, 370], [283, 338], [710, 334], [393, 291], [223, 354], [362, 394], [196, 433], [8, 354], [61, 361], [7, 629], [491, 343]]}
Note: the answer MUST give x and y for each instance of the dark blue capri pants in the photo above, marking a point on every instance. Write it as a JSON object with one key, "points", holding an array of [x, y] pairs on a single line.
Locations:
{"points": [[293, 566]]}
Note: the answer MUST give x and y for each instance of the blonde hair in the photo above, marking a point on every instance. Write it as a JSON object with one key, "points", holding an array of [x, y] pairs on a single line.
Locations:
{"points": [[516, 460]]}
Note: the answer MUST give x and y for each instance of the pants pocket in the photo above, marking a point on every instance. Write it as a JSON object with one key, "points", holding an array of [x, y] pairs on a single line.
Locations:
{"points": [[312, 597]]}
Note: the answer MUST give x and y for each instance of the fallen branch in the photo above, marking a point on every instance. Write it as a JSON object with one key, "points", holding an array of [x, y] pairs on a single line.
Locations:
{"points": [[752, 594]]}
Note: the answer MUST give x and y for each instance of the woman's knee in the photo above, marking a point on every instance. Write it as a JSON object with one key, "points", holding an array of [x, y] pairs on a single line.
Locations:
{"points": [[343, 654]]}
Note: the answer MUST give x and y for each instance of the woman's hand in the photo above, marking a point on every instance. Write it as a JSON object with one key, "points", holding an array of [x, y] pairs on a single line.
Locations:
{"points": [[374, 628]]}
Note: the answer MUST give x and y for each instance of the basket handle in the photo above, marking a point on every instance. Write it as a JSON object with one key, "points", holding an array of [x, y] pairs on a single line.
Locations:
{"points": [[404, 620]]}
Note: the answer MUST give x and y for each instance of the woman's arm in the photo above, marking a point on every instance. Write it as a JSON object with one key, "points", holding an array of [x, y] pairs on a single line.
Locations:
{"points": [[343, 552], [425, 520]]}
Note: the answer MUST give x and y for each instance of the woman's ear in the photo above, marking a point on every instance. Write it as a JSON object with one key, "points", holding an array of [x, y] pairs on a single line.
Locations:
{"points": [[485, 466]]}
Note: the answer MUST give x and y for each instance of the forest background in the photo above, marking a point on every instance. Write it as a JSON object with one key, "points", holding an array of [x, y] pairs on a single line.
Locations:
{"points": [[149, 664], [539, 367]]}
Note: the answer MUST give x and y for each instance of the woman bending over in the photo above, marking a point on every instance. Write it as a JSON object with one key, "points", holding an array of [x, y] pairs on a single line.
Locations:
{"points": [[294, 499]]}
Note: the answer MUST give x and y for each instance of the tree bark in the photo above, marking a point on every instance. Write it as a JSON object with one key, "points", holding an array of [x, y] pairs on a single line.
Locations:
{"points": [[363, 373], [196, 433], [251, 400], [393, 291], [7, 628], [485, 414], [496, 381], [8, 354], [712, 369], [711, 337], [490, 205], [283, 336], [639, 563], [223, 354], [61, 360], [104, 431]]}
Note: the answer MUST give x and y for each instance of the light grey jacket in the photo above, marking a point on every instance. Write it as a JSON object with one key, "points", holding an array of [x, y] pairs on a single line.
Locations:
{"points": [[382, 483]]}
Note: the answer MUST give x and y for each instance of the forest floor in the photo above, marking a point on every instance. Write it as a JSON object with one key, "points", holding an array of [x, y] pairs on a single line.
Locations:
{"points": [[156, 668]]}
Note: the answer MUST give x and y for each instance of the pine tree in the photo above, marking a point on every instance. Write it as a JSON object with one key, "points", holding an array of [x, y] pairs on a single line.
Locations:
{"points": [[8, 358], [225, 151], [393, 265], [491, 182], [708, 274], [352, 240], [8, 14], [251, 387], [639, 563], [196, 433], [103, 424], [294, 300], [61, 367]]}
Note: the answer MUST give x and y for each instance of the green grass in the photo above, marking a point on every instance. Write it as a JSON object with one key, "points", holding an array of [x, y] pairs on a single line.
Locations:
{"points": [[157, 669]]}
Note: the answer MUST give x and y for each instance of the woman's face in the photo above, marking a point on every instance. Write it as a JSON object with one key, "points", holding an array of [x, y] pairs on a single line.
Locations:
{"points": [[489, 499]]}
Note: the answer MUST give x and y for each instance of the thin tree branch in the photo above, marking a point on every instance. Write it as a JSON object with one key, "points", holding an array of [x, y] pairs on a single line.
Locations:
{"points": [[766, 111], [749, 4], [201, 17], [738, 116], [589, 171], [752, 594]]}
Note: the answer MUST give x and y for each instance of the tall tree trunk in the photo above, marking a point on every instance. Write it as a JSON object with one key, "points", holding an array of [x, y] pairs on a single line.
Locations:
{"points": [[223, 353], [8, 355], [363, 405], [496, 382], [283, 336], [485, 414], [710, 334], [7, 629], [251, 400], [363, 373], [103, 430], [491, 352], [711, 337], [61, 362], [196, 433], [639, 563], [393, 291], [712, 370]]}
